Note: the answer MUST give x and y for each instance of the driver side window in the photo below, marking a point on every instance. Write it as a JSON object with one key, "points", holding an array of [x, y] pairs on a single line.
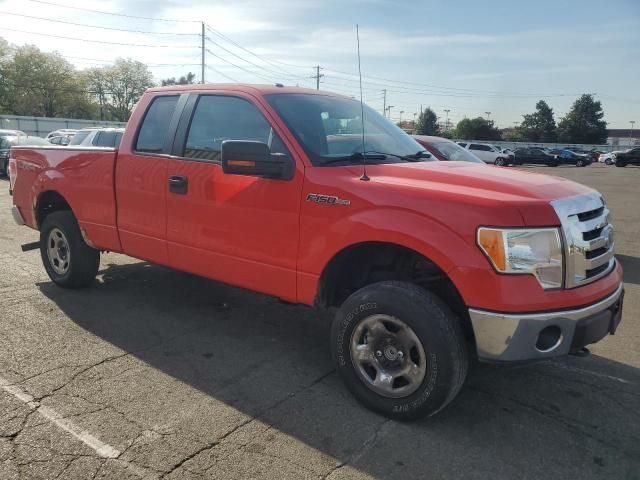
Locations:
{"points": [[218, 118]]}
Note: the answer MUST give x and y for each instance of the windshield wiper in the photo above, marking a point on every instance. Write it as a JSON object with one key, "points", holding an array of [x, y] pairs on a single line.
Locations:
{"points": [[357, 157], [374, 155]]}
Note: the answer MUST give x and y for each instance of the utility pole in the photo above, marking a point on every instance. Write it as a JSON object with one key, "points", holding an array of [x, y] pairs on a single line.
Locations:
{"points": [[488, 115], [414, 119], [202, 46], [446, 122], [631, 142], [389, 107], [401, 112], [384, 101], [317, 76]]}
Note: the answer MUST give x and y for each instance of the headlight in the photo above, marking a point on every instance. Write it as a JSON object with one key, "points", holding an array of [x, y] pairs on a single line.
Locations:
{"points": [[535, 251]]}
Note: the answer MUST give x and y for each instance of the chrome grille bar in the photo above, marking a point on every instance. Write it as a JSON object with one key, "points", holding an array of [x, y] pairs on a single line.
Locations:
{"points": [[583, 239]]}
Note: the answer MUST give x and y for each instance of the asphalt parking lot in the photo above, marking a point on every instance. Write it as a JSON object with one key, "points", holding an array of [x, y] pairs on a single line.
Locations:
{"points": [[153, 373]]}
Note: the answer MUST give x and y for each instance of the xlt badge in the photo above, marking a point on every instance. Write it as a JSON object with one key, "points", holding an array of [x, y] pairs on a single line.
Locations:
{"points": [[327, 199]]}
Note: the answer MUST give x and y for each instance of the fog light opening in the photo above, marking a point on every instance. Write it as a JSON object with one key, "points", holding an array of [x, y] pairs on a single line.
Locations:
{"points": [[549, 338]]}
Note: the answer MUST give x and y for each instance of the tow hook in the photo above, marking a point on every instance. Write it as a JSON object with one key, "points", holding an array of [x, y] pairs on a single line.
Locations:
{"points": [[580, 352]]}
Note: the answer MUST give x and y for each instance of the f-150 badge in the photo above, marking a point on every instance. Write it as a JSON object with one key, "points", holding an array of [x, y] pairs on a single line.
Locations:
{"points": [[327, 199]]}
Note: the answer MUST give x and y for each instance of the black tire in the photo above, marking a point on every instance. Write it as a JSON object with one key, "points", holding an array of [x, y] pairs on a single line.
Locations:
{"points": [[83, 261], [500, 162], [620, 163], [436, 328], [580, 163], [552, 163], [5, 168]]}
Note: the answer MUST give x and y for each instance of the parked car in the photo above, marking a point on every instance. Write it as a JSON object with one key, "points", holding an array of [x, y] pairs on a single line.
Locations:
{"points": [[631, 156], [536, 156], [444, 149], [11, 133], [485, 152], [62, 140], [566, 156], [98, 137], [505, 151], [61, 132], [428, 265], [8, 141], [608, 158]]}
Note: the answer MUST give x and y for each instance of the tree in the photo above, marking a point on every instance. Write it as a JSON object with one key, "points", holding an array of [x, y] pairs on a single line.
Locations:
{"points": [[188, 79], [583, 123], [540, 125], [124, 84], [477, 129], [43, 84], [5, 58], [427, 123], [512, 134]]}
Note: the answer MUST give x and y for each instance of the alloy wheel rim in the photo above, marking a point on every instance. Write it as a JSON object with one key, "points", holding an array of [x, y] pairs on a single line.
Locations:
{"points": [[388, 356], [58, 251]]}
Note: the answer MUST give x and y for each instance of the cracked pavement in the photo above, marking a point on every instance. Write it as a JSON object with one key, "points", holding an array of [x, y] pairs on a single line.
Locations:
{"points": [[185, 378]]}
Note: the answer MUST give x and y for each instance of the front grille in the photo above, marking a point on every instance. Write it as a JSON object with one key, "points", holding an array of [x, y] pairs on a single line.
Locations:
{"points": [[588, 238]]}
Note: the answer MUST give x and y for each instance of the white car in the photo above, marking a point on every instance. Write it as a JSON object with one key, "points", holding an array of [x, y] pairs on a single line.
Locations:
{"points": [[486, 152], [608, 158], [61, 132], [98, 137]]}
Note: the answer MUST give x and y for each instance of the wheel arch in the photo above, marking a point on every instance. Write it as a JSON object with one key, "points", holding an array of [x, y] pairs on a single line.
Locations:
{"points": [[363, 263]]}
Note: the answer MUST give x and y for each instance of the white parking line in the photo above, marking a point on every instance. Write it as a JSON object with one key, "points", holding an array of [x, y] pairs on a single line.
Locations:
{"points": [[103, 450]]}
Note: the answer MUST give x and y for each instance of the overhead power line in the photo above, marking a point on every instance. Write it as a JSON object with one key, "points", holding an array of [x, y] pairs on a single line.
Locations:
{"points": [[148, 32], [223, 74], [270, 80], [102, 12], [100, 41]]}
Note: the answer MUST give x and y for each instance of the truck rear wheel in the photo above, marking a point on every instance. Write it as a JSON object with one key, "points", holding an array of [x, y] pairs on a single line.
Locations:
{"points": [[399, 349], [68, 260]]}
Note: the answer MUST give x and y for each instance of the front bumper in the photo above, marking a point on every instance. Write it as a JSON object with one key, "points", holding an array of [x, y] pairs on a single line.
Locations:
{"points": [[502, 337]]}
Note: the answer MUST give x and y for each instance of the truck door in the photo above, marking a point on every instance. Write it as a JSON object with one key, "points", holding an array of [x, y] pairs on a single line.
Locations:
{"points": [[242, 230], [141, 182]]}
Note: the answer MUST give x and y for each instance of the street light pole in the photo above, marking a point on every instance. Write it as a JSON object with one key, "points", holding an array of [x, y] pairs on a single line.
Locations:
{"points": [[389, 107], [401, 112], [488, 115], [632, 143], [446, 122]]}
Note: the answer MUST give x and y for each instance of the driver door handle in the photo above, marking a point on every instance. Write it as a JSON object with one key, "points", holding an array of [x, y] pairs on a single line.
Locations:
{"points": [[178, 184]]}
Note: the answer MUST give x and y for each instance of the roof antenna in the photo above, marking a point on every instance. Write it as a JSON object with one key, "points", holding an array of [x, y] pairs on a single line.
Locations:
{"points": [[364, 176]]}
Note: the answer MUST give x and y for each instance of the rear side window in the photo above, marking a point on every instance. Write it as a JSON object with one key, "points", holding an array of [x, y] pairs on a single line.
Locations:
{"points": [[79, 137], [155, 125], [107, 139], [220, 118], [483, 148]]}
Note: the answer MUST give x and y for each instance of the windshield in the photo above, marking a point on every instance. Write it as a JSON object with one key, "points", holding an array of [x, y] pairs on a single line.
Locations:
{"points": [[330, 129], [454, 152]]}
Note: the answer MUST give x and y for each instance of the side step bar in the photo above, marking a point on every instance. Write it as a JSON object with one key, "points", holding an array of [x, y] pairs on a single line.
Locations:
{"points": [[30, 246]]}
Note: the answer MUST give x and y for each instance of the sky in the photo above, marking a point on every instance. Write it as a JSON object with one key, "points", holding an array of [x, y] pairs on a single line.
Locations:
{"points": [[469, 57]]}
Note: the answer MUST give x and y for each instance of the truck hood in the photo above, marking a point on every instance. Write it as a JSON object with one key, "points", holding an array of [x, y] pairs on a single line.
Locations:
{"points": [[529, 192]]}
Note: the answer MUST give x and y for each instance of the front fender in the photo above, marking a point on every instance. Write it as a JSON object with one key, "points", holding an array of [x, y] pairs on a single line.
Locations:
{"points": [[431, 238]]}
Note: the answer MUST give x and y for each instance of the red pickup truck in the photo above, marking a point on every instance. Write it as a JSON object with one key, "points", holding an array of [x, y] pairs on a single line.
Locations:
{"points": [[428, 265]]}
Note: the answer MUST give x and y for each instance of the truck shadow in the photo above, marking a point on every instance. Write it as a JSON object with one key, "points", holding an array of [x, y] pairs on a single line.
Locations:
{"points": [[557, 419], [631, 267]]}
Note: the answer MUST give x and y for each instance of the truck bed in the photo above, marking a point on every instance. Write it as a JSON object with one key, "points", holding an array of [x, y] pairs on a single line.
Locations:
{"points": [[83, 176]]}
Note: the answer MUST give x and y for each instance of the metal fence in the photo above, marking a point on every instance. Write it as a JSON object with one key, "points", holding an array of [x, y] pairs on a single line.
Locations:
{"points": [[41, 126]]}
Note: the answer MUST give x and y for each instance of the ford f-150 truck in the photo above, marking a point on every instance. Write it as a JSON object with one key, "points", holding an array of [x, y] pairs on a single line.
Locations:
{"points": [[427, 265]]}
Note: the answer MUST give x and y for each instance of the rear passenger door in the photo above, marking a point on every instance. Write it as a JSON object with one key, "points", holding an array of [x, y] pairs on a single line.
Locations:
{"points": [[141, 181], [242, 230]]}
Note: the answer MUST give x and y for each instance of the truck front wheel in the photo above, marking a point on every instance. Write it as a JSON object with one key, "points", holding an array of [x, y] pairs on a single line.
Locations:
{"points": [[68, 260], [399, 349]]}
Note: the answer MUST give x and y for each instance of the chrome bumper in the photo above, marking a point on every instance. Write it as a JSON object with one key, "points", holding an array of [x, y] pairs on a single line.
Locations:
{"points": [[502, 337], [17, 216]]}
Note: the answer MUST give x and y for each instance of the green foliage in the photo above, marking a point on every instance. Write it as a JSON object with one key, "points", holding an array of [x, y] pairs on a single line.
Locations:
{"points": [[583, 123], [427, 123], [540, 125], [188, 79], [477, 129], [512, 135], [33, 82]]}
